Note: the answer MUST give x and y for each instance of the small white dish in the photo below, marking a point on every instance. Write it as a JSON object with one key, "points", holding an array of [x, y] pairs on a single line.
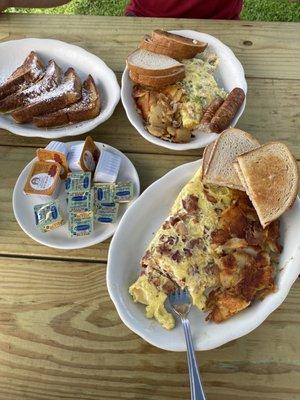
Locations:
{"points": [[60, 238], [66, 55], [139, 224], [229, 74]]}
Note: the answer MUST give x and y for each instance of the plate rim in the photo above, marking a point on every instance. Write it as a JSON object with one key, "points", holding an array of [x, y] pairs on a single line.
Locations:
{"points": [[83, 245], [191, 145], [253, 323], [70, 130]]}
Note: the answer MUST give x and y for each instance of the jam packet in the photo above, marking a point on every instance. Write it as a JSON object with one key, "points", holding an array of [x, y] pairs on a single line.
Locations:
{"points": [[57, 152], [84, 156], [43, 180]]}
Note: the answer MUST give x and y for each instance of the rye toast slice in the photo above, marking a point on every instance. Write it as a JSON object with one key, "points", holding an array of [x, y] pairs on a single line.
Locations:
{"points": [[50, 80], [228, 146], [63, 95], [86, 108], [31, 70], [271, 178]]}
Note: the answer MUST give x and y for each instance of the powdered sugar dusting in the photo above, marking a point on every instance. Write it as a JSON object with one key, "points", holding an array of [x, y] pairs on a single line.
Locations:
{"points": [[65, 87], [45, 84]]}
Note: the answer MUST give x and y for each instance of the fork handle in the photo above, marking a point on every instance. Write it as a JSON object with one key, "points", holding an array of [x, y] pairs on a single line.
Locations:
{"points": [[197, 392]]}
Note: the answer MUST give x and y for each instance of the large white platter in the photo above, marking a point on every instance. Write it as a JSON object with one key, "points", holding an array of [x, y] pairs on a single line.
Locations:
{"points": [[139, 224], [229, 74], [66, 55], [59, 238]]}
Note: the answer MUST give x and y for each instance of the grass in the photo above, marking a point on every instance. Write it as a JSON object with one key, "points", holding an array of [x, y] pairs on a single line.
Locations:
{"points": [[254, 10]]}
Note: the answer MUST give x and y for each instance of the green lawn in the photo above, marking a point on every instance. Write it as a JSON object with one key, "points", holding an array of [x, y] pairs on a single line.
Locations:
{"points": [[260, 10]]}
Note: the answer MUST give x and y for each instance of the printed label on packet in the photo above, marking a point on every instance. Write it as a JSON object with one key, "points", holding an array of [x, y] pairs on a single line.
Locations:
{"points": [[104, 192], [80, 202], [78, 182], [57, 152], [124, 192], [81, 224], [43, 179], [106, 213], [47, 216]]}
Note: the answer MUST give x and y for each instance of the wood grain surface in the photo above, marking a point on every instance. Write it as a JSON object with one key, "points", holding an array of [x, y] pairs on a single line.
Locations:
{"points": [[61, 338], [60, 335]]}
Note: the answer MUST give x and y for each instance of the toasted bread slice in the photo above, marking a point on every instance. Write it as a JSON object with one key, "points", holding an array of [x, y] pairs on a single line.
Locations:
{"points": [[50, 80], [65, 94], [28, 72], [150, 64], [271, 178], [157, 81], [86, 108], [207, 154], [181, 47], [230, 144]]}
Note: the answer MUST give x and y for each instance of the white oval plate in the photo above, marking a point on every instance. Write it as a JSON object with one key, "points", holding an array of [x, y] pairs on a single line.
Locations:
{"points": [[139, 224], [229, 74], [66, 55], [59, 238]]}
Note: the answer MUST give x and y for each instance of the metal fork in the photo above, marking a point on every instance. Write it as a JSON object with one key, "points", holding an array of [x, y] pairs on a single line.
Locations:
{"points": [[181, 304]]}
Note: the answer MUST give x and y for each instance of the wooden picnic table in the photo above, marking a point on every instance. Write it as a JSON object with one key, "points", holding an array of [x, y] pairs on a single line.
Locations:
{"points": [[60, 335]]}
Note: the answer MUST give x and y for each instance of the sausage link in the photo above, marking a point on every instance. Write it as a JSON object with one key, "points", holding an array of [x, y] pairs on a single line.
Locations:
{"points": [[227, 111]]}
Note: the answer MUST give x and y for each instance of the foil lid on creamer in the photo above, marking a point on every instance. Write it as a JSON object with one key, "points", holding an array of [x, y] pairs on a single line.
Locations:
{"points": [[84, 156], [108, 167], [43, 180], [57, 152]]}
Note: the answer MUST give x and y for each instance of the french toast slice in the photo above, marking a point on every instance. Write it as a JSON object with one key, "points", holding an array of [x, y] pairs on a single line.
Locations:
{"points": [[31, 69], [86, 108], [63, 95], [50, 80]]}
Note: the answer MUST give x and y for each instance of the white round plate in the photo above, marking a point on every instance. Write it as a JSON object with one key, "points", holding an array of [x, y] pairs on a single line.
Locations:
{"points": [[60, 238], [229, 74], [139, 224], [66, 55]]}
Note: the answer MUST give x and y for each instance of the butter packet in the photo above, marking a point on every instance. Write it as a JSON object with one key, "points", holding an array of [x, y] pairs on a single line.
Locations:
{"points": [[104, 192], [43, 180], [106, 213], [81, 224], [124, 192], [78, 182], [47, 216], [84, 156], [57, 152], [80, 201]]}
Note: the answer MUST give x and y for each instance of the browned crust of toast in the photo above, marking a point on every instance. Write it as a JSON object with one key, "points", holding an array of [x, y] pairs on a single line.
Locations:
{"points": [[43, 106], [293, 161], [157, 81], [153, 72], [181, 47], [23, 75], [76, 112]]}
